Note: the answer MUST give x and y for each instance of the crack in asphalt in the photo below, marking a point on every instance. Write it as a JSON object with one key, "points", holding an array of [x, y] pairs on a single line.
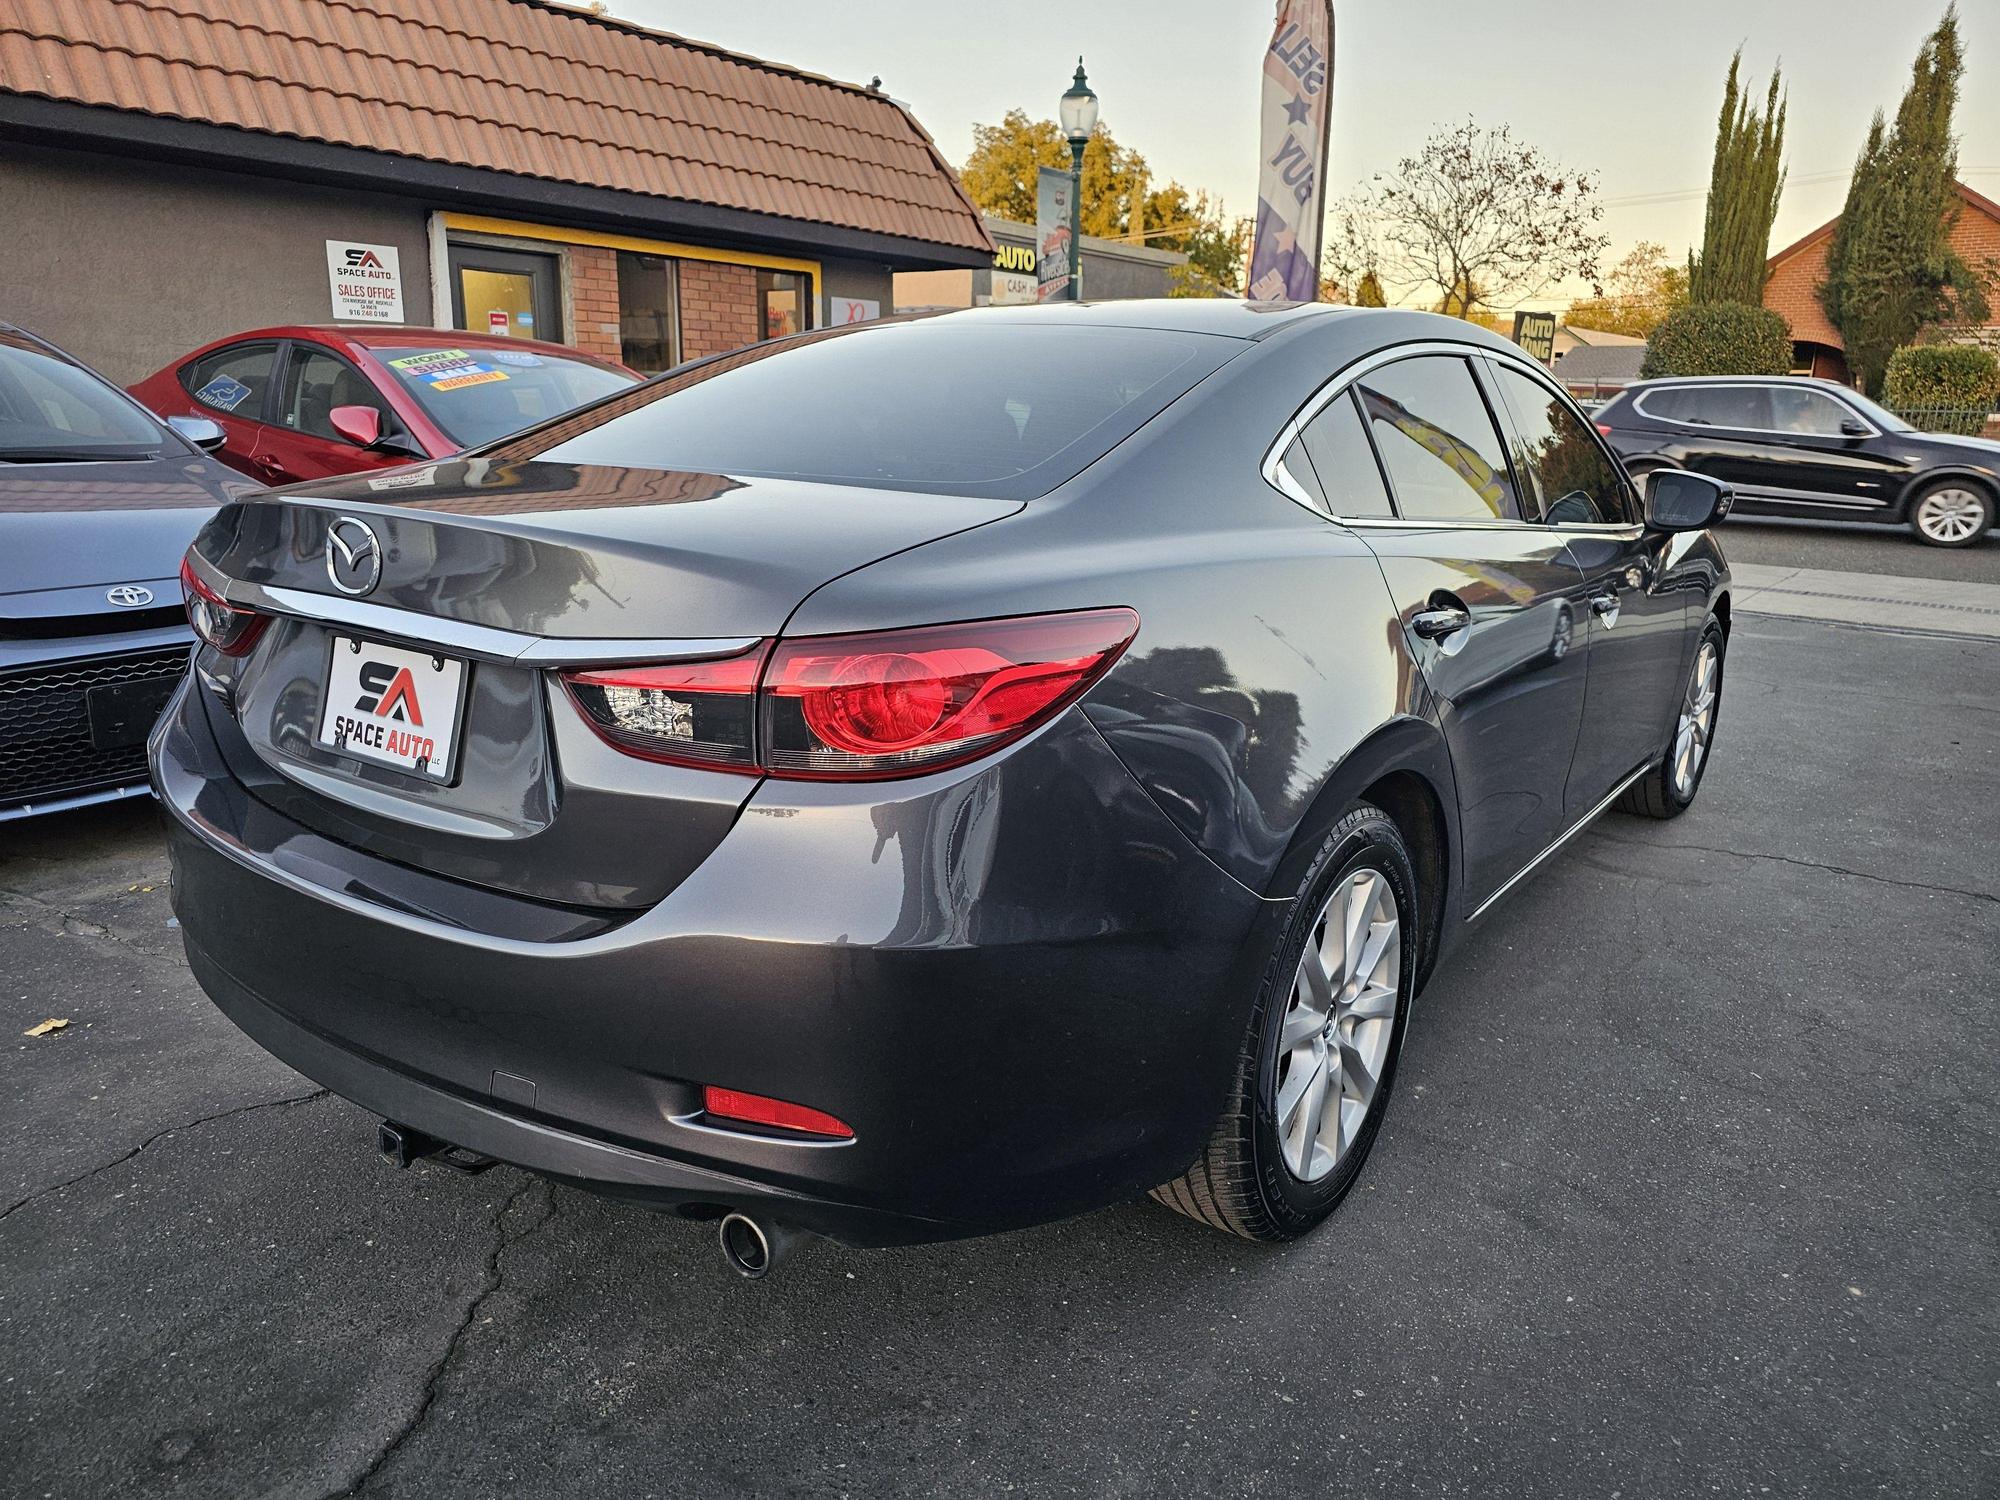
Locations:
{"points": [[1808, 864], [74, 923], [491, 1280], [160, 1135]]}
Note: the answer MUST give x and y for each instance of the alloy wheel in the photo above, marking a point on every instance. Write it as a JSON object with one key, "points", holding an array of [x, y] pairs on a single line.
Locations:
{"points": [[1950, 515], [1337, 1028], [1697, 720]]}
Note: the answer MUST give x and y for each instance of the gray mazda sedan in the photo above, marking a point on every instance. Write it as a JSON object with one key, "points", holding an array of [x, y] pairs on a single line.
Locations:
{"points": [[925, 778]]}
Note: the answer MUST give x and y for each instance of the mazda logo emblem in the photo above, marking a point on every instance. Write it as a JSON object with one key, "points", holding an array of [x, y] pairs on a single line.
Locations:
{"points": [[353, 556], [129, 596]]}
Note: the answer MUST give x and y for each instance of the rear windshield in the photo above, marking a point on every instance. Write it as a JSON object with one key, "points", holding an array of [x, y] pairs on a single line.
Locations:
{"points": [[950, 404], [52, 412], [479, 394]]}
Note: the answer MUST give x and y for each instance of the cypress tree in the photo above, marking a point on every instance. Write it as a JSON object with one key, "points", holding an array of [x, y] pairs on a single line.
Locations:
{"points": [[1890, 268], [1743, 187]]}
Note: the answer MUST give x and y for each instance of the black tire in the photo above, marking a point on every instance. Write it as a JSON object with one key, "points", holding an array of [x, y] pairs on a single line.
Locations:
{"points": [[1978, 493], [1658, 794], [1240, 1183]]}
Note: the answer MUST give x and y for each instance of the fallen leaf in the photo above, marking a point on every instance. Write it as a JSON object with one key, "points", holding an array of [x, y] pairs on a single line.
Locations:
{"points": [[54, 1023]]}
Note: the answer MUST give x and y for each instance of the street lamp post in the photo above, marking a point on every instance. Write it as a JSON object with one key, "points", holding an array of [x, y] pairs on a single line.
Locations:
{"points": [[1079, 117]]}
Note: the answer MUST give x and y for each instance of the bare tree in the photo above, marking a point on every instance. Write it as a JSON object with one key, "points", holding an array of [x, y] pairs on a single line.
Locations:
{"points": [[1482, 218]]}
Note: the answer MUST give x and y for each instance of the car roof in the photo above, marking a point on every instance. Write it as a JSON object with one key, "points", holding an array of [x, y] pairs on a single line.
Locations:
{"points": [[1231, 317], [399, 336]]}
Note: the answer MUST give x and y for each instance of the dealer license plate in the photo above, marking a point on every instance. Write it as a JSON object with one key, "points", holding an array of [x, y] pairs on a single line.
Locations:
{"points": [[396, 707]]}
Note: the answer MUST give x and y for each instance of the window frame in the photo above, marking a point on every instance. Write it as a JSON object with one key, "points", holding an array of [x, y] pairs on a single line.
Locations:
{"points": [[1272, 470], [280, 349]]}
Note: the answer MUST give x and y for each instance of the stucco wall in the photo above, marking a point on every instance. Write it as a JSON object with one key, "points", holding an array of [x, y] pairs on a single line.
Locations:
{"points": [[855, 278], [131, 264]]}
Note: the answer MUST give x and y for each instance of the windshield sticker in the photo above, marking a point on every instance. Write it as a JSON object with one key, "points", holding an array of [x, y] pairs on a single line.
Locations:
{"points": [[514, 357], [445, 369], [224, 393], [415, 479]]}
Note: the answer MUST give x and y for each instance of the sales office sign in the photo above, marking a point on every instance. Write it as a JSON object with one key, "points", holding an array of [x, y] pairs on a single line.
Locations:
{"points": [[367, 282]]}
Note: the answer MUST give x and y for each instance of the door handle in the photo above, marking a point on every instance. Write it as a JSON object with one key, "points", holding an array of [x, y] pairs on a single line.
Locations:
{"points": [[1439, 621]]}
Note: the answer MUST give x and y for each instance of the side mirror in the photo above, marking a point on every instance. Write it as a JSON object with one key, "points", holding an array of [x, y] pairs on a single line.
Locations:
{"points": [[203, 433], [360, 425], [1679, 501], [1855, 427]]}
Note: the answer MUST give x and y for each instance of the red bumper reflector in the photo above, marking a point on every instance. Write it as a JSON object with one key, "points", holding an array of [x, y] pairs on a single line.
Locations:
{"points": [[755, 1109]]}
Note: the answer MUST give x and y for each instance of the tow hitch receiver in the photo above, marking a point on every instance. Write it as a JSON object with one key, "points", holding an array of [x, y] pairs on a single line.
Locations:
{"points": [[402, 1144]]}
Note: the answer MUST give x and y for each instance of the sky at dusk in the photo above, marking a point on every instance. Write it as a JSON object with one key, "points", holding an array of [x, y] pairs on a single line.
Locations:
{"points": [[1628, 90]]}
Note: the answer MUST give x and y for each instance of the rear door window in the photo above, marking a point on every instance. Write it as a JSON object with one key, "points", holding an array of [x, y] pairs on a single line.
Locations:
{"points": [[1349, 478], [1573, 480], [1745, 407], [1437, 441], [235, 381]]}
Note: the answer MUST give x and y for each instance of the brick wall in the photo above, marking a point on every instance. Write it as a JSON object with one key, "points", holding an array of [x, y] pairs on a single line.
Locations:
{"points": [[718, 307], [593, 290], [1792, 291]]}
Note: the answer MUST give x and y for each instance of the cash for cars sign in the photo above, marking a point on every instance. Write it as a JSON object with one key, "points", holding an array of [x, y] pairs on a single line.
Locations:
{"points": [[1291, 175], [367, 282]]}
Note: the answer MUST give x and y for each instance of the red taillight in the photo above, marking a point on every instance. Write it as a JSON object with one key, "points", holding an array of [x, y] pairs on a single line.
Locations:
{"points": [[229, 628], [701, 713], [902, 701], [1604, 429], [858, 707], [756, 1109]]}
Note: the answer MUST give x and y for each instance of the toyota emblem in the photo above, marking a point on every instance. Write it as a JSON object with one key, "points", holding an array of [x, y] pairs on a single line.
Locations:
{"points": [[129, 596], [353, 556]]}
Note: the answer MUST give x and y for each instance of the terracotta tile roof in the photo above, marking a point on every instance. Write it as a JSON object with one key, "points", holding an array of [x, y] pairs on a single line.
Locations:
{"points": [[518, 86]]}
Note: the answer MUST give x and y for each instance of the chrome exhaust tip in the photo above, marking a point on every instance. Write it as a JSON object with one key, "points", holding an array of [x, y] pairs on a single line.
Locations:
{"points": [[752, 1246]]}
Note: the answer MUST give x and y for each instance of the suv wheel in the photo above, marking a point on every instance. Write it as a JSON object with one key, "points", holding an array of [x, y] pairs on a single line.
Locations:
{"points": [[1668, 787], [1319, 1055], [1951, 514]]}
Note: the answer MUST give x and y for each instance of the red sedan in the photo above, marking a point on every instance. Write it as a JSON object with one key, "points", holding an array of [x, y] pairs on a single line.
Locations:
{"points": [[303, 403]]}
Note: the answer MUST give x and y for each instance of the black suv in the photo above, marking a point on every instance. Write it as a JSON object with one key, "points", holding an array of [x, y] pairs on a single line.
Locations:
{"points": [[1796, 447]]}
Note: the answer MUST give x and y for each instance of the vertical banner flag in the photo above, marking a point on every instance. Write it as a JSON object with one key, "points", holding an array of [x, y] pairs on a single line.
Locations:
{"points": [[1291, 175], [1052, 235]]}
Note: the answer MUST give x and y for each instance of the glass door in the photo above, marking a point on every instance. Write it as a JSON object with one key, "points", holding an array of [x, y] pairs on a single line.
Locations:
{"points": [[514, 293]]}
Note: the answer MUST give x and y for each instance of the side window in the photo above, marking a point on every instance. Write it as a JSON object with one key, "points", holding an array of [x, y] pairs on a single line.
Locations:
{"points": [[233, 380], [1349, 477], [1744, 406], [315, 383], [1804, 411], [1437, 441], [1574, 481], [1296, 464]]}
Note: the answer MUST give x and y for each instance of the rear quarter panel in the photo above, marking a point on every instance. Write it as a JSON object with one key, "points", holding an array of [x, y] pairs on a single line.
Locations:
{"points": [[1268, 648]]}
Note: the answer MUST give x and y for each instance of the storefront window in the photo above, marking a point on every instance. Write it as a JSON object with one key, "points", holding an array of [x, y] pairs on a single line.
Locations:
{"points": [[782, 300], [648, 318]]}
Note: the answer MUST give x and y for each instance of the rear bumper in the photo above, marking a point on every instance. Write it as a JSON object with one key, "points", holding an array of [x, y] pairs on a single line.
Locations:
{"points": [[1018, 983]]}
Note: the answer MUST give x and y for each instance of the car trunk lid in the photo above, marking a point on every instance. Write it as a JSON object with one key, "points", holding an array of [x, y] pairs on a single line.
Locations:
{"points": [[514, 569]]}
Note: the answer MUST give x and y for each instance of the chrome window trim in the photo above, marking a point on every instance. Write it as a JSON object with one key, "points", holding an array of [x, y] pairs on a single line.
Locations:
{"points": [[1274, 474], [1639, 405]]}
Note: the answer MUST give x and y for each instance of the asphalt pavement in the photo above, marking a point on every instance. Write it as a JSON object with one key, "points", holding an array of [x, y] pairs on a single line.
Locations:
{"points": [[1688, 1187], [1856, 548]]}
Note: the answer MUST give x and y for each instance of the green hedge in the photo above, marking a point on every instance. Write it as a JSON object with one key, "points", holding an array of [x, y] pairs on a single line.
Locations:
{"points": [[1942, 377], [1719, 338]]}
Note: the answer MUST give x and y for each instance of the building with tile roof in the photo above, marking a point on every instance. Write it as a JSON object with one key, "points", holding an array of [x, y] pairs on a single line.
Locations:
{"points": [[176, 169]]}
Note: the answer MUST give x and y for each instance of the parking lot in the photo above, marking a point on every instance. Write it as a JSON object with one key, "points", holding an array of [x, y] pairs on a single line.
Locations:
{"points": [[1688, 1187]]}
